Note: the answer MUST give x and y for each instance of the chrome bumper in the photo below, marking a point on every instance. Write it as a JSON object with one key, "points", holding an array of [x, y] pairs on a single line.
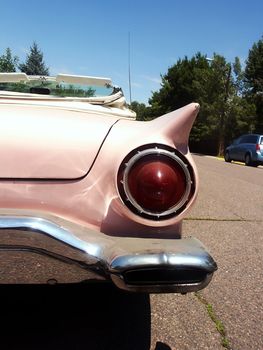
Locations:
{"points": [[49, 249]]}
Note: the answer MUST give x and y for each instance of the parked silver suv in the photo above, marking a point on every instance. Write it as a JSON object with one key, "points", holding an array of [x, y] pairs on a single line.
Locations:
{"points": [[247, 148]]}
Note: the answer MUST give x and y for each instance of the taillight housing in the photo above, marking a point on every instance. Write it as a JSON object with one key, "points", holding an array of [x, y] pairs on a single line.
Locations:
{"points": [[257, 147], [156, 182]]}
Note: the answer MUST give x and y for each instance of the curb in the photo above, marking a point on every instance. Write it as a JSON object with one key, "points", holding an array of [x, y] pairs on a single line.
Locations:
{"points": [[222, 159]]}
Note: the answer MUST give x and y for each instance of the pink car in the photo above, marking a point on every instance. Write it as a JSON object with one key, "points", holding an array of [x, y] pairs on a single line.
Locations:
{"points": [[90, 194]]}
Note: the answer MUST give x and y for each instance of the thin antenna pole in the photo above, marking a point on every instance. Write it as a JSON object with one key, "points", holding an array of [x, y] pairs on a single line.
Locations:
{"points": [[129, 64]]}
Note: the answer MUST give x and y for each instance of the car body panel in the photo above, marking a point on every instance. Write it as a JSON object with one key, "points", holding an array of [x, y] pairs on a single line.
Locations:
{"points": [[61, 195], [75, 198], [49, 144]]}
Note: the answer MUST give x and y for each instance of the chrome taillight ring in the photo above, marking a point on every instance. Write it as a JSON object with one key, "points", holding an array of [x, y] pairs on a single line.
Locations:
{"points": [[157, 151]]}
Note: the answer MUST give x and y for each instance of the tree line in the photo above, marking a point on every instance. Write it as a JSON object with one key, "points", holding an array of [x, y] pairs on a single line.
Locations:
{"points": [[231, 96]]}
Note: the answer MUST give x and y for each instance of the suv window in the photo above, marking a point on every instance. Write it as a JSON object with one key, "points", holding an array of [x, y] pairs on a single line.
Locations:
{"points": [[237, 141], [242, 139], [249, 139]]}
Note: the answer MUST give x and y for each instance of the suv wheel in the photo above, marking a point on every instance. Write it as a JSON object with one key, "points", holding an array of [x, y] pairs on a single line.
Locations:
{"points": [[248, 161], [227, 157]]}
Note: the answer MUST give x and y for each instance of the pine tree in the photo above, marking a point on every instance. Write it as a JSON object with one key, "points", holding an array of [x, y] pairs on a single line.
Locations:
{"points": [[34, 64], [8, 63], [254, 81]]}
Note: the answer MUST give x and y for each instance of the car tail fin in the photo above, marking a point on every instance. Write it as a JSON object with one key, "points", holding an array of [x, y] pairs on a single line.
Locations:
{"points": [[177, 125]]}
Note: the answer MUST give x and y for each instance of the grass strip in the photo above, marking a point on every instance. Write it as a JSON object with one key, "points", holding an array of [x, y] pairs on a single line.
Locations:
{"points": [[218, 323]]}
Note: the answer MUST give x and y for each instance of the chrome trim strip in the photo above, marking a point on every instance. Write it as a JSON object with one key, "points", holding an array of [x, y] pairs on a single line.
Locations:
{"points": [[105, 257], [50, 229]]}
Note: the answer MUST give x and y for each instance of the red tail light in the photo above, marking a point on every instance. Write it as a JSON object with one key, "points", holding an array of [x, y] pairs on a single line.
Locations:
{"points": [[155, 183], [257, 147]]}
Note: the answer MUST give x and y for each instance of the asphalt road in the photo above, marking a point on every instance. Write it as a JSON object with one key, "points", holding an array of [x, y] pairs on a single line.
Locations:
{"points": [[228, 219]]}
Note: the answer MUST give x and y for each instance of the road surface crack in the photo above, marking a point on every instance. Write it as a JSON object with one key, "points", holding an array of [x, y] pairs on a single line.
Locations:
{"points": [[220, 327], [217, 219]]}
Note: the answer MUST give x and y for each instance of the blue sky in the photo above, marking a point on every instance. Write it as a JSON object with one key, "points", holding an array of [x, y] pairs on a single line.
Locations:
{"points": [[91, 37]]}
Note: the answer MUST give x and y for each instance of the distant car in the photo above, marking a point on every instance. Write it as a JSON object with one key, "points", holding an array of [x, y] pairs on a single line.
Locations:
{"points": [[247, 148], [90, 194]]}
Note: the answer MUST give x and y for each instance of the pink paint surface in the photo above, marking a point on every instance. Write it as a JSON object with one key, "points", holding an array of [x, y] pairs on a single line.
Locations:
{"points": [[44, 143]]}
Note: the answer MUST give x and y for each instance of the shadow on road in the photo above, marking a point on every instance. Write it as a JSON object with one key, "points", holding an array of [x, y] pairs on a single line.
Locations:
{"points": [[74, 317], [162, 346]]}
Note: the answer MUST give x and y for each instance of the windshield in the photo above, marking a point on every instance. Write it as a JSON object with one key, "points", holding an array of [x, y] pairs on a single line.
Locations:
{"points": [[61, 86], [57, 89], [64, 88]]}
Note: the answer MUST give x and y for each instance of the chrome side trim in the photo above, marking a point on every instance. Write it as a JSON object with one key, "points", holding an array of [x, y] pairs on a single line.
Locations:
{"points": [[95, 255]]}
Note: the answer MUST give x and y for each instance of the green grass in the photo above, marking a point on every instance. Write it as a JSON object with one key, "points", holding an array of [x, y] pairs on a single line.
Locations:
{"points": [[218, 323]]}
